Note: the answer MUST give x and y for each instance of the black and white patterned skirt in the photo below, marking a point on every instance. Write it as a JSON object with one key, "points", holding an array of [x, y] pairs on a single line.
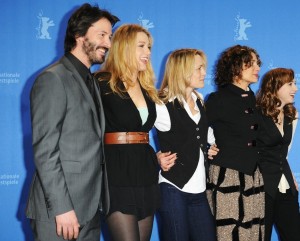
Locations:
{"points": [[237, 201]]}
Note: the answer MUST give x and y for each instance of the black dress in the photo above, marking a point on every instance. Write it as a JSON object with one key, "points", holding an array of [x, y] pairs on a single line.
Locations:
{"points": [[132, 169], [282, 208]]}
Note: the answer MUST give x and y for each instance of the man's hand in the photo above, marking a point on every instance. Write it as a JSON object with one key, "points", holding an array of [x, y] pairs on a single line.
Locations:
{"points": [[67, 225], [166, 160]]}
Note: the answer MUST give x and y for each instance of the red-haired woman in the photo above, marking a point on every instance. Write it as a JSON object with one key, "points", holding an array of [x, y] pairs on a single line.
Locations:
{"points": [[275, 102]]}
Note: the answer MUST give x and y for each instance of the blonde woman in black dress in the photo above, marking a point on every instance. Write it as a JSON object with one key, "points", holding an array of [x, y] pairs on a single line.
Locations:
{"points": [[129, 96]]}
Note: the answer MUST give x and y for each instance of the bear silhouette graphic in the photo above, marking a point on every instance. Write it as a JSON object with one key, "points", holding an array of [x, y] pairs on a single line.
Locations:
{"points": [[243, 25], [44, 28]]}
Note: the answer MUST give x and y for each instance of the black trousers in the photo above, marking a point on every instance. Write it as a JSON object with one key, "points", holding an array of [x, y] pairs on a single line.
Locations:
{"points": [[283, 212]]}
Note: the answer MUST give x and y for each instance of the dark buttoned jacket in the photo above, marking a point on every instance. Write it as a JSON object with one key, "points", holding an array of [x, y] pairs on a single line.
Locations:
{"points": [[273, 150], [232, 114]]}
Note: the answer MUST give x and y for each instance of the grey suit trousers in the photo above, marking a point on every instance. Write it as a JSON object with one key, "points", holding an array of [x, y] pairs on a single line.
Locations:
{"points": [[46, 231]]}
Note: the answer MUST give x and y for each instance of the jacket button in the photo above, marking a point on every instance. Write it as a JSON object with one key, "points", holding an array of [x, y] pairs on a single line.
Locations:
{"points": [[254, 127], [252, 143], [249, 110]]}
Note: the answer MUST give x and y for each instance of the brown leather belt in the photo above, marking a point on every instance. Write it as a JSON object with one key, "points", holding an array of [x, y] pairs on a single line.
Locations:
{"points": [[126, 138]]}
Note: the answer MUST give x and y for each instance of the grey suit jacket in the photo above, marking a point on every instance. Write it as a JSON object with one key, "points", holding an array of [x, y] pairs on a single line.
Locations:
{"points": [[68, 147]]}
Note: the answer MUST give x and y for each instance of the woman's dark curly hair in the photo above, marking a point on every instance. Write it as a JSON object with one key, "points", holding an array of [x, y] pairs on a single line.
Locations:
{"points": [[267, 100], [231, 62]]}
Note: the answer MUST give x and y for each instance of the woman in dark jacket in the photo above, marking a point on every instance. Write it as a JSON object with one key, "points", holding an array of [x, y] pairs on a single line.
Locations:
{"points": [[236, 187], [277, 114]]}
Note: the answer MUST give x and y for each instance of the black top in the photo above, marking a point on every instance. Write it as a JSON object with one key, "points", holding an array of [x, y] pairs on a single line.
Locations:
{"points": [[185, 138], [80, 67], [86, 75], [128, 164], [232, 114], [273, 150]]}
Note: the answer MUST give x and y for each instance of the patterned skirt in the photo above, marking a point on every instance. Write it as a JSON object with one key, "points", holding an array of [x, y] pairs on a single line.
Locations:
{"points": [[237, 201]]}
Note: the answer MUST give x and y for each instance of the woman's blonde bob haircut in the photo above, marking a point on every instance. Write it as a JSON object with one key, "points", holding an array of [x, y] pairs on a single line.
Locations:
{"points": [[122, 64], [178, 72]]}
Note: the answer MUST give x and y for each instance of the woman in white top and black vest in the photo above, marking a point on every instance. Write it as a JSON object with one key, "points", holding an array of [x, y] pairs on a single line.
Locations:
{"points": [[183, 134], [277, 113]]}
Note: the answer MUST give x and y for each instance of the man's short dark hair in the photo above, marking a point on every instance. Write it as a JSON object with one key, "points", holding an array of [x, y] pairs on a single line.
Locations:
{"points": [[81, 20]]}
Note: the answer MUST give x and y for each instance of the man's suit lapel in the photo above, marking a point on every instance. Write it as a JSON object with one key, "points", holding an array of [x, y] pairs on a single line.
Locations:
{"points": [[102, 118], [85, 93]]}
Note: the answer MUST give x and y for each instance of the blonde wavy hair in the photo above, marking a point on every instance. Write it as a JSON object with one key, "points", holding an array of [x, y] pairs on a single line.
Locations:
{"points": [[178, 71], [122, 64]]}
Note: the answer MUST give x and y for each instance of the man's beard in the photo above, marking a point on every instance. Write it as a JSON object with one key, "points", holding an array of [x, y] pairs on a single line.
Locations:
{"points": [[90, 50]]}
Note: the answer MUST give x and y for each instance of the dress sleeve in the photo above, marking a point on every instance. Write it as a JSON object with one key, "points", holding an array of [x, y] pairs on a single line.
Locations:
{"points": [[212, 108]]}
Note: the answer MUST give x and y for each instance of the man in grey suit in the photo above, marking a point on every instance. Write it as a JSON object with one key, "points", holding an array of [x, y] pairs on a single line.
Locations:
{"points": [[69, 188]]}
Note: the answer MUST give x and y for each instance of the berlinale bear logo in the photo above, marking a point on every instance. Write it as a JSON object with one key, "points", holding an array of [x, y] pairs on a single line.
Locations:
{"points": [[44, 24], [240, 31], [145, 23]]}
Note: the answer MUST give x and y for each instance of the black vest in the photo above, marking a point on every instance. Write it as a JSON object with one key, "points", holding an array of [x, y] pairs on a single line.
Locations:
{"points": [[184, 138]]}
